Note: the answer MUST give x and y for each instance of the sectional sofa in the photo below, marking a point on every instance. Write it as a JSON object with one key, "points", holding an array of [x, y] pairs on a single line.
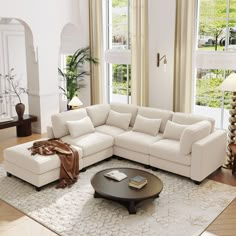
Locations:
{"points": [[185, 144]]}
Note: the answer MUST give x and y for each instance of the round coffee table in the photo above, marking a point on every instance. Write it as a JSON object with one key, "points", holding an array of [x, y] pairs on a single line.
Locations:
{"points": [[122, 192]]}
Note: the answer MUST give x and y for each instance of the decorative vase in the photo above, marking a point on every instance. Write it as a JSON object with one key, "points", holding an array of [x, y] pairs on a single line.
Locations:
{"points": [[20, 109]]}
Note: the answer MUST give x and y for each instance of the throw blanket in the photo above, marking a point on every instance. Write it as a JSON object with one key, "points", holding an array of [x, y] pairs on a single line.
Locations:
{"points": [[68, 156]]}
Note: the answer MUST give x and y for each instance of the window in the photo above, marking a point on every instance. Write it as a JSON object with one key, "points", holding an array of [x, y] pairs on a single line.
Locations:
{"points": [[215, 56], [117, 54]]}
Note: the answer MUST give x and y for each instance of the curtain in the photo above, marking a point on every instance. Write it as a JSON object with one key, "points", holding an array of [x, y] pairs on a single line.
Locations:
{"points": [[139, 52], [96, 46], [183, 59]]}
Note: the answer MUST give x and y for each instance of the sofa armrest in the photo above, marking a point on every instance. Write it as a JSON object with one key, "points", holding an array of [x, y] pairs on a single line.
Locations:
{"points": [[50, 133], [208, 154]]}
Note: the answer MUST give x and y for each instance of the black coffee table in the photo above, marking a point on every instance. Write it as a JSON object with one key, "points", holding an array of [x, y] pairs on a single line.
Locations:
{"points": [[122, 192]]}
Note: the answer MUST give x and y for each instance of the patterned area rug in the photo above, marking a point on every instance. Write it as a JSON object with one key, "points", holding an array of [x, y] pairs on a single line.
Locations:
{"points": [[183, 208]]}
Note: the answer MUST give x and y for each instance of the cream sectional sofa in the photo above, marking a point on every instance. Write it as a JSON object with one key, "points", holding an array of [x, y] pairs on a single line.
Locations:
{"points": [[184, 144]]}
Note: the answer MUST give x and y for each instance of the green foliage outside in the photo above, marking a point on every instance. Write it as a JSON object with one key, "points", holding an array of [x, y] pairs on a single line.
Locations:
{"points": [[212, 20], [119, 81], [208, 93]]}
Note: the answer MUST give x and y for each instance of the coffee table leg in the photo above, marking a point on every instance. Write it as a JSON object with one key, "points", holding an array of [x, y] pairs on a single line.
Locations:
{"points": [[131, 207]]}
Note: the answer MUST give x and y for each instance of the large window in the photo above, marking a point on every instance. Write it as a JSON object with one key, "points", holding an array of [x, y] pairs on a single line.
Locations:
{"points": [[117, 55], [215, 56]]}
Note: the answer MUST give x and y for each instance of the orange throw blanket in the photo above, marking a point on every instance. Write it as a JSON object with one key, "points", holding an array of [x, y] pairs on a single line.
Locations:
{"points": [[69, 158]]}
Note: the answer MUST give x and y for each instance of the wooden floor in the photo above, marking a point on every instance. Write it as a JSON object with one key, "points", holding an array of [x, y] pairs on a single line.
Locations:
{"points": [[14, 222]]}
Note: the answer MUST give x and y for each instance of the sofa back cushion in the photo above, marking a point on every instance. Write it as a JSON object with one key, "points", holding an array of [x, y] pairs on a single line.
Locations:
{"points": [[154, 113], [126, 108], [192, 134], [59, 120], [80, 127], [189, 119], [173, 130], [119, 120], [146, 125], [98, 114]]}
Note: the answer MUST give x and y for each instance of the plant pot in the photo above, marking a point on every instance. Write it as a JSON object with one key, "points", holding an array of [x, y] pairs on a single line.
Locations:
{"points": [[20, 109]]}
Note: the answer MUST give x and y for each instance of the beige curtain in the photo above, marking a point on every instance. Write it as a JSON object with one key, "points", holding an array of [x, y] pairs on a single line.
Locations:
{"points": [[139, 52], [184, 46], [96, 45]]}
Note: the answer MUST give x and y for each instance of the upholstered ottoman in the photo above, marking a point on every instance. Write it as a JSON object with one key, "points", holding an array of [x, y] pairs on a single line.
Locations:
{"points": [[37, 170]]}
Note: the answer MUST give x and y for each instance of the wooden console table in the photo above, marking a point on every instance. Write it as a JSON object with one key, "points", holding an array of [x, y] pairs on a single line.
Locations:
{"points": [[23, 127]]}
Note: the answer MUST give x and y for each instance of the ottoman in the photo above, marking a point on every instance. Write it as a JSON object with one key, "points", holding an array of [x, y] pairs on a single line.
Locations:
{"points": [[37, 170]]}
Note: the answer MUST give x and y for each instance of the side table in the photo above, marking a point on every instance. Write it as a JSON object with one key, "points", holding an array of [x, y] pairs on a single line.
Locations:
{"points": [[233, 149], [23, 127]]}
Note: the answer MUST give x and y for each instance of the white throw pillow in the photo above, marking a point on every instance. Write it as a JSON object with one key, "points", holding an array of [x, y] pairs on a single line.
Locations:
{"points": [[120, 120], [146, 125], [80, 127], [173, 130], [192, 134]]}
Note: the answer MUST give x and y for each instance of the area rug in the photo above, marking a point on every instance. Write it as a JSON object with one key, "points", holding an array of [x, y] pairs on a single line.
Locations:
{"points": [[183, 208]]}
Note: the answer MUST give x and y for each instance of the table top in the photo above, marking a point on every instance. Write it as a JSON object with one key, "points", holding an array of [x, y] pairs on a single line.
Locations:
{"points": [[120, 190], [16, 121]]}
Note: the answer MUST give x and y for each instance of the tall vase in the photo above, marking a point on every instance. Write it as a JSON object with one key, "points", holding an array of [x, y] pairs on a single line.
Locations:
{"points": [[20, 109]]}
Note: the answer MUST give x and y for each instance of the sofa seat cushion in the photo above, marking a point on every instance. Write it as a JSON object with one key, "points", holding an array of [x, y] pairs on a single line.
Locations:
{"points": [[110, 130], [169, 150], [136, 141], [91, 143], [20, 156]]}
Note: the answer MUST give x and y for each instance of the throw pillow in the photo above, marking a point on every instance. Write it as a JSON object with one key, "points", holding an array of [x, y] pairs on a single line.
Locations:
{"points": [[119, 120], [173, 130], [80, 127], [147, 125]]}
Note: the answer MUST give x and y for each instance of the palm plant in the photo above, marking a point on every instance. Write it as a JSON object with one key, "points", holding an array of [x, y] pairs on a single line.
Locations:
{"points": [[74, 72]]}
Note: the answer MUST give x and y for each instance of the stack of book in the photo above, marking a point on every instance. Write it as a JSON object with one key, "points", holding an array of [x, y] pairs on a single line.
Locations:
{"points": [[137, 182]]}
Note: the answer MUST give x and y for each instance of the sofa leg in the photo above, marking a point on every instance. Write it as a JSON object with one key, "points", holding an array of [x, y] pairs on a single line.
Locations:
{"points": [[9, 174], [146, 166], [83, 170], [37, 188], [154, 168], [197, 182]]}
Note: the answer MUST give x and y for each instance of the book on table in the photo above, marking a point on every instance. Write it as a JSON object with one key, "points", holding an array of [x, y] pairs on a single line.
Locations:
{"points": [[137, 182], [116, 175]]}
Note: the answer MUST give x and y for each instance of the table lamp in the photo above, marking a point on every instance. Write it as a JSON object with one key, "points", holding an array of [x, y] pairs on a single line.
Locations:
{"points": [[229, 84], [75, 103]]}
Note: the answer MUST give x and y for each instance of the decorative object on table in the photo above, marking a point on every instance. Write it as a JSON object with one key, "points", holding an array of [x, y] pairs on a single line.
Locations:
{"points": [[137, 182], [116, 175], [74, 74], [229, 84], [15, 89], [75, 103]]}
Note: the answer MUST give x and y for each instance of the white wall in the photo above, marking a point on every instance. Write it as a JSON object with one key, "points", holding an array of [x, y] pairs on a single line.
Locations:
{"points": [[161, 40], [46, 22]]}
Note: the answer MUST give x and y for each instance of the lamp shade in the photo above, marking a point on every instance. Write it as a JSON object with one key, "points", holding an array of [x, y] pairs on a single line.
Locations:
{"points": [[229, 84], [75, 102]]}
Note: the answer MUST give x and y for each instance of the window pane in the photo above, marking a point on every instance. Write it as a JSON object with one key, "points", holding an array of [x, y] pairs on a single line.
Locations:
{"points": [[120, 84], [209, 99], [212, 25], [120, 24]]}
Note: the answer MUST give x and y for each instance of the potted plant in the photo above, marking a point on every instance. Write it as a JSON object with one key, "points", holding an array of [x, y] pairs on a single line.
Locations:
{"points": [[74, 72], [15, 89]]}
